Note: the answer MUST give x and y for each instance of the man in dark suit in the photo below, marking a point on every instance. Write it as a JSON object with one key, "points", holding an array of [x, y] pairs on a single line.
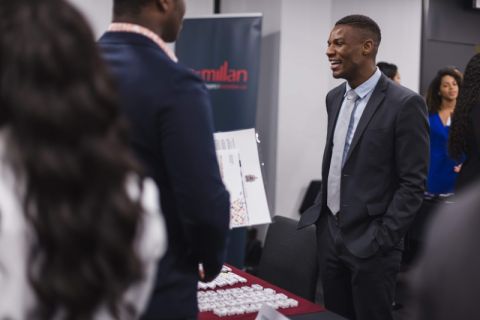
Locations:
{"points": [[374, 169], [169, 111]]}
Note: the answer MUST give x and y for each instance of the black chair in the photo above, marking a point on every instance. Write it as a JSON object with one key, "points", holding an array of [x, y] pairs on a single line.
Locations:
{"points": [[289, 258]]}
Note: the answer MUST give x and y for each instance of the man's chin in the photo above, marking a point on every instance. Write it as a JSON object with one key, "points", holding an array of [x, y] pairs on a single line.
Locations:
{"points": [[337, 75]]}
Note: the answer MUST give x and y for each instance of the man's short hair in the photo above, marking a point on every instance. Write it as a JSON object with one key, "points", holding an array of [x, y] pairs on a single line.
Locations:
{"points": [[365, 23], [388, 69], [125, 7]]}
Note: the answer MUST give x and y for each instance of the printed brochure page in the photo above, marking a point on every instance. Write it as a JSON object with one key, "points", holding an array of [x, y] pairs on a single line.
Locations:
{"points": [[237, 155]]}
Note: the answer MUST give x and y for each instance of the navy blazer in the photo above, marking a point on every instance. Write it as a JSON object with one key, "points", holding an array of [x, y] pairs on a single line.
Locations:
{"points": [[169, 111], [383, 178]]}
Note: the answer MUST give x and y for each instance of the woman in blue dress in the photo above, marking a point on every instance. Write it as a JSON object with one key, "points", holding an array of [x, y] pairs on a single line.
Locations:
{"points": [[441, 100]]}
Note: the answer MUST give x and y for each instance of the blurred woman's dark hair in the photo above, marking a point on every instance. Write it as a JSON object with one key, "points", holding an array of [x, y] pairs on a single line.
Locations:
{"points": [[68, 146], [433, 98], [469, 96], [388, 69]]}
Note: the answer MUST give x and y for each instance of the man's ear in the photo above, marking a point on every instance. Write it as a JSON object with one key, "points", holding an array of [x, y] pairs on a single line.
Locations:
{"points": [[163, 5], [368, 47]]}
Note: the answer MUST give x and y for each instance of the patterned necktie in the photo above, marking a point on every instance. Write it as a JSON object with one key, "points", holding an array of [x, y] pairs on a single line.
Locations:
{"points": [[339, 140]]}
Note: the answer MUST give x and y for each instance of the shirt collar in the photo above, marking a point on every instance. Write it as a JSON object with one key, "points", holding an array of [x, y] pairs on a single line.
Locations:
{"points": [[365, 88], [135, 28]]}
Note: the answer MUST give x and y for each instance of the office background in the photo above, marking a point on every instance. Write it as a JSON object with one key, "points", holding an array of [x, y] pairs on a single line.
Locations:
{"points": [[418, 36]]}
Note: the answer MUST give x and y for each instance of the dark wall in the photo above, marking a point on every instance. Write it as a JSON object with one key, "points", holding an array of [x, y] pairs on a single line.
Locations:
{"points": [[450, 35]]}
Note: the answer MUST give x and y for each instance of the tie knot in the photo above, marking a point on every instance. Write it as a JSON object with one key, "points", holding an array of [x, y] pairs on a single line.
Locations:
{"points": [[351, 95]]}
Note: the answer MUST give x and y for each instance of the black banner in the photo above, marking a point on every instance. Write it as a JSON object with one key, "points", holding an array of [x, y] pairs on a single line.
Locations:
{"points": [[225, 51]]}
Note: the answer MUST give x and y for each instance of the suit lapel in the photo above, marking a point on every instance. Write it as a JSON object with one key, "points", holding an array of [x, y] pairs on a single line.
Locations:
{"points": [[336, 105], [375, 100], [311, 215]]}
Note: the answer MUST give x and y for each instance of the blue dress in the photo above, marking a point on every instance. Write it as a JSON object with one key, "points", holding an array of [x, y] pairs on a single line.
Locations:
{"points": [[441, 177]]}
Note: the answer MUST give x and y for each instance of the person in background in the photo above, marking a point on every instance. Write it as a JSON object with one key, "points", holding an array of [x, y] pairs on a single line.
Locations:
{"points": [[460, 74], [374, 170], [390, 70], [441, 101], [80, 231], [445, 283], [169, 110], [465, 129]]}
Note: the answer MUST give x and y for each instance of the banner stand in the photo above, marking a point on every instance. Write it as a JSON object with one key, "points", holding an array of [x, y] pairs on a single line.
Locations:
{"points": [[224, 50]]}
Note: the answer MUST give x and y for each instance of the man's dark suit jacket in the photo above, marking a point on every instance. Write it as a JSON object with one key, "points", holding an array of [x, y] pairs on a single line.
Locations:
{"points": [[383, 178], [169, 111]]}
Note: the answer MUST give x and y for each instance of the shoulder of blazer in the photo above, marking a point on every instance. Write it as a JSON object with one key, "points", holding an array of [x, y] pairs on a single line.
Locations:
{"points": [[147, 53], [340, 89], [397, 91], [154, 61]]}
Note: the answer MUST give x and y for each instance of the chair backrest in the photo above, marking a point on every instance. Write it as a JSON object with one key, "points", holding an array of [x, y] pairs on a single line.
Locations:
{"points": [[289, 258]]}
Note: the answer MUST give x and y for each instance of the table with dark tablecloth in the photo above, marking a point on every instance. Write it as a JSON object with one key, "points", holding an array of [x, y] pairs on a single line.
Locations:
{"points": [[304, 306]]}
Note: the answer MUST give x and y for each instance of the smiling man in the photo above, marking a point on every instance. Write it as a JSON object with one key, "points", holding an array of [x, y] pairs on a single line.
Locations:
{"points": [[374, 170]]}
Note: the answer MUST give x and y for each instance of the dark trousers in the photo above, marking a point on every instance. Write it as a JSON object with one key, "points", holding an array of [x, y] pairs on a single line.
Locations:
{"points": [[356, 288]]}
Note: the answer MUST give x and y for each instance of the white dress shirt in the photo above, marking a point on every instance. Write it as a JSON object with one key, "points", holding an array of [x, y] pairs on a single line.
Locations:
{"points": [[364, 92]]}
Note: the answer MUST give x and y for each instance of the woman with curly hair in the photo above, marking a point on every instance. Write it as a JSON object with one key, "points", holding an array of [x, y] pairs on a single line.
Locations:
{"points": [[441, 101], [465, 130], [80, 232]]}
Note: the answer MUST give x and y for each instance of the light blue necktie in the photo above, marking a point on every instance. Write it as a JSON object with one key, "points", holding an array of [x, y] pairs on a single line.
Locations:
{"points": [[344, 124]]}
